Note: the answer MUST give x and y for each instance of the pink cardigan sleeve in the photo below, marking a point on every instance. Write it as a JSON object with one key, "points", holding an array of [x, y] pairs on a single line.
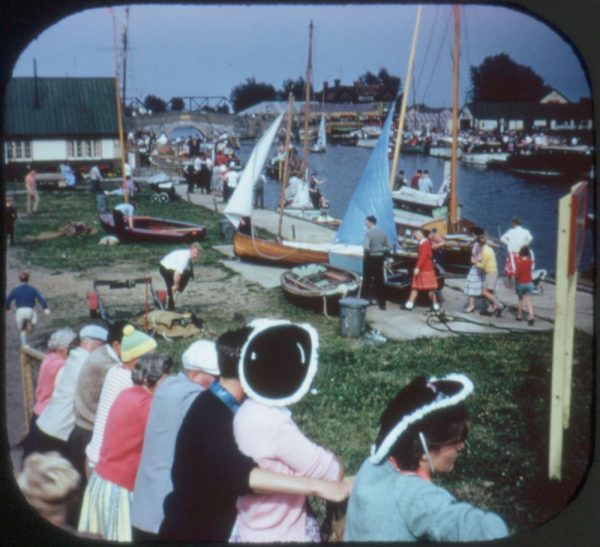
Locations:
{"points": [[306, 458]]}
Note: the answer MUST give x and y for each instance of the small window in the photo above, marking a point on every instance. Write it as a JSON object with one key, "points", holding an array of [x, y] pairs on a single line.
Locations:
{"points": [[83, 149], [18, 150]]}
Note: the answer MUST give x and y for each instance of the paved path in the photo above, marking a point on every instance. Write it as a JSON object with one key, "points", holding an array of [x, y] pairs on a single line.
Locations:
{"points": [[398, 324]]}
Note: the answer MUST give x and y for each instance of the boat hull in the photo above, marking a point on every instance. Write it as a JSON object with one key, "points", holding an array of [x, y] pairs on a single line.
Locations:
{"points": [[153, 230], [270, 251], [320, 288]]}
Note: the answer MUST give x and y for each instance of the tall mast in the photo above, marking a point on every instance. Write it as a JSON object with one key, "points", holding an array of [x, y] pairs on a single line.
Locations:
{"points": [[118, 99], [286, 163], [125, 42], [307, 101], [409, 71], [453, 204]]}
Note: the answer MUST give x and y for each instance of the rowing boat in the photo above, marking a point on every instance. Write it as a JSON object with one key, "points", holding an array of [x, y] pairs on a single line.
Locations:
{"points": [[148, 229], [319, 286]]}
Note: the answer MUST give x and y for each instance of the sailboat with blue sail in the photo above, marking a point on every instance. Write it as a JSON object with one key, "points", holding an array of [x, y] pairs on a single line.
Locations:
{"points": [[372, 196]]}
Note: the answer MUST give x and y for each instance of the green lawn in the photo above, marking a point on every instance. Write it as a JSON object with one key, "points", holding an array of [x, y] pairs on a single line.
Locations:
{"points": [[505, 466]]}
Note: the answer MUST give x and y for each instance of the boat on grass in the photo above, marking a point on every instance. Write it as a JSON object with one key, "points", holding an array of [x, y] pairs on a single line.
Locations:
{"points": [[148, 229], [319, 286]]}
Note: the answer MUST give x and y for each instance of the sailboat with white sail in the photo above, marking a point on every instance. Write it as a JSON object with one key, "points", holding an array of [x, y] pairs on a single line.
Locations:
{"points": [[321, 145]]}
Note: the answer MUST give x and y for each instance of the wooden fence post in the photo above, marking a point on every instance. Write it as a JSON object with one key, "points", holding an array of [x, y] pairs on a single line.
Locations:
{"points": [[30, 360]]}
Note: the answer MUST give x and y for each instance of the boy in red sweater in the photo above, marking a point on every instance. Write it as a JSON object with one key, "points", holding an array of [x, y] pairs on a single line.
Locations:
{"points": [[524, 283]]}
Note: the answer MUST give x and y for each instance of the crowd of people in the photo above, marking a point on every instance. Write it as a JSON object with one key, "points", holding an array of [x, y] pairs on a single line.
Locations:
{"points": [[481, 279], [124, 448]]}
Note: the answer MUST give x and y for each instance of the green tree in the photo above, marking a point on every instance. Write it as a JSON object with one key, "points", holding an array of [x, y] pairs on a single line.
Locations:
{"points": [[156, 104], [296, 87], [500, 79], [177, 104], [250, 93]]}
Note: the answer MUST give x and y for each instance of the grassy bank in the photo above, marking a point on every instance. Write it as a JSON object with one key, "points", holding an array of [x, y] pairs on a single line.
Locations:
{"points": [[504, 468]]}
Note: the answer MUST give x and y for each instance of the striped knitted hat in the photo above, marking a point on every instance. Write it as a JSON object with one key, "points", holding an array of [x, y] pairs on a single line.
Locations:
{"points": [[135, 343]]}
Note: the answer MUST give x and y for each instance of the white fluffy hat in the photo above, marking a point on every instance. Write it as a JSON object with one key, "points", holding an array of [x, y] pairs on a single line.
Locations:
{"points": [[278, 361], [201, 355]]}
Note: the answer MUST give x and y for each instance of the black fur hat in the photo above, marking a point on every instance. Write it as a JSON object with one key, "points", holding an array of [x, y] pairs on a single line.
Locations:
{"points": [[278, 361], [414, 402]]}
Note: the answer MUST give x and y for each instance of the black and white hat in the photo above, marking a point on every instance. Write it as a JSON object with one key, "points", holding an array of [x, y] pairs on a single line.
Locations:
{"points": [[415, 401], [278, 361]]}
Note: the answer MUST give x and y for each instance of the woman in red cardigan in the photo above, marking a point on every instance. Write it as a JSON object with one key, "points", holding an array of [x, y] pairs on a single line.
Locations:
{"points": [[424, 278], [106, 504]]}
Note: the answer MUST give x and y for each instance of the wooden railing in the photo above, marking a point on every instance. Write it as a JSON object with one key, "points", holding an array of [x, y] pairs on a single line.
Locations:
{"points": [[30, 363]]}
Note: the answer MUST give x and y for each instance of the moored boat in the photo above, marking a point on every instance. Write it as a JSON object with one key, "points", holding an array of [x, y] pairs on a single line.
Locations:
{"points": [[285, 253], [319, 286], [148, 229], [554, 161], [481, 154]]}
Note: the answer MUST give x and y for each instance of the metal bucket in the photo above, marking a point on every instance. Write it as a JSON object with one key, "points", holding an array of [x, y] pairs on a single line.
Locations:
{"points": [[353, 311]]}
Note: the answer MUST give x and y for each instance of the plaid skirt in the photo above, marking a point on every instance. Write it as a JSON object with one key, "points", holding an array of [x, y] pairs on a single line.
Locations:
{"points": [[474, 282], [425, 281], [106, 510]]}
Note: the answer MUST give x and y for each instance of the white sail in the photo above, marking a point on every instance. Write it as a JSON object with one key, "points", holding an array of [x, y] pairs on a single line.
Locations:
{"points": [[240, 202], [321, 144]]}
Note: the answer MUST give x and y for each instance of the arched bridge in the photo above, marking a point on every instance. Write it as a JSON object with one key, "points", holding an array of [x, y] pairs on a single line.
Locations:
{"points": [[208, 123]]}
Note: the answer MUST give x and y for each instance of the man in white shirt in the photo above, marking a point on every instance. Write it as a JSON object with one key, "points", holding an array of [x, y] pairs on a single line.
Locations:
{"points": [[176, 269], [124, 210], [231, 182], [425, 183], [514, 239]]}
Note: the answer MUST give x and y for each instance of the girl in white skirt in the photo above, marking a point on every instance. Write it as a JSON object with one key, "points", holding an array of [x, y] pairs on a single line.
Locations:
{"points": [[474, 281]]}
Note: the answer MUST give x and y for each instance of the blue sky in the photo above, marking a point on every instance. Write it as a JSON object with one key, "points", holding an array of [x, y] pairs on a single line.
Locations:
{"points": [[206, 50]]}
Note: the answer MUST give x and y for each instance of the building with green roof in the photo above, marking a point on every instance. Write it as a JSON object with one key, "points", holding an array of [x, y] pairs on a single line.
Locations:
{"points": [[53, 121]]}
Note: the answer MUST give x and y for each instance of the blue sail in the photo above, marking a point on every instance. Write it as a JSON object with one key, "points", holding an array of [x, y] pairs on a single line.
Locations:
{"points": [[372, 196]]}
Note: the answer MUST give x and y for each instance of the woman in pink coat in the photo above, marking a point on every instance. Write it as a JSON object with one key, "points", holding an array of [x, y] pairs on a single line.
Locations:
{"points": [[277, 365]]}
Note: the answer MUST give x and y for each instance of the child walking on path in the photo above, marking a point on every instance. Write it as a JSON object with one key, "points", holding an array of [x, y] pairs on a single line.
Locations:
{"points": [[524, 284]]}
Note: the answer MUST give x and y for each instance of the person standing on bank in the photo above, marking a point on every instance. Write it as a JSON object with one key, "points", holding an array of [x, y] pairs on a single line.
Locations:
{"points": [[424, 278], [489, 266], [176, 269], [33, 198], [10, 218], [376, 245], [514, 239]]}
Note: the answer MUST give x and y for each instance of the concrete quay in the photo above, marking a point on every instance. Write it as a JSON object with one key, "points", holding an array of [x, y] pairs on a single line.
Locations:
{"points": [[396, 323]]}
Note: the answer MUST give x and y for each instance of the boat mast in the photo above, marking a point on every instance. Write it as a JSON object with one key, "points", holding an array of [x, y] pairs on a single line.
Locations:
{"points": [[122, 143], [125, 43], [453, 205], [405, 99], [307, 102], [286, 163]]}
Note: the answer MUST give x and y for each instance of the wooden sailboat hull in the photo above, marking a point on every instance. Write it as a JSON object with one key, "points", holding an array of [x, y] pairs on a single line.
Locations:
{"points": [[319, 286], [270, 251], [153, 230]]}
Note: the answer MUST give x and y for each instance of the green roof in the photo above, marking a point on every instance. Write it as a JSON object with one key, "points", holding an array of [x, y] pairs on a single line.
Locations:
{"points": [[54, 107]]}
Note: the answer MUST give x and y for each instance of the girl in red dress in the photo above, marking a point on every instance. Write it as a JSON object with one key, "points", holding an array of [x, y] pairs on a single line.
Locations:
{"points": [[424, 278]]}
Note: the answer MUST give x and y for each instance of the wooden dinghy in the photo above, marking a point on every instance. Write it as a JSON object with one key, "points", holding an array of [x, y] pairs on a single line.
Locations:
{"points": [[148, 229], [270, 251], [319, 286]]}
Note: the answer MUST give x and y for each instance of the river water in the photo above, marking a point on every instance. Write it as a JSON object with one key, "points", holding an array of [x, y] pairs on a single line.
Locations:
{"points": [[488, 197]]}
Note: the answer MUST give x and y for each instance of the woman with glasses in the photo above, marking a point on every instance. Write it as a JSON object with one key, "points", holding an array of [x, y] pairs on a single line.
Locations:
{"points": [[422, 432]]}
